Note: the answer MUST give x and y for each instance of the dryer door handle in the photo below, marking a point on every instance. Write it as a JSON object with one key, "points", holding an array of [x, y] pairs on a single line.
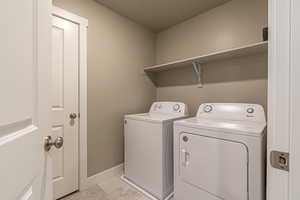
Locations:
{"points": [[186, 157]]}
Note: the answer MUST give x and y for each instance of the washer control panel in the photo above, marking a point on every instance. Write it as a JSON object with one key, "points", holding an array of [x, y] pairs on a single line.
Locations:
{"points": [[158, 106], [232, 111], [169, 108]]}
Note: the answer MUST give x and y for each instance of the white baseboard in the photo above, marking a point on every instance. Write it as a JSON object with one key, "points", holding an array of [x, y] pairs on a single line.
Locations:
{"points": [[146, 193], [103, 176]]}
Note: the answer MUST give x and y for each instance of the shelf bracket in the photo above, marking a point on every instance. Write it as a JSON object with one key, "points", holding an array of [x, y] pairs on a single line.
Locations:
{"points": [[199, 73]]}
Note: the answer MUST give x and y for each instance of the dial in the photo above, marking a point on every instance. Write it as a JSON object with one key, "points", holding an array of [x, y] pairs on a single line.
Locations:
{"points": [[250, 110], [208, 108], [158, 106], [176, 107]]}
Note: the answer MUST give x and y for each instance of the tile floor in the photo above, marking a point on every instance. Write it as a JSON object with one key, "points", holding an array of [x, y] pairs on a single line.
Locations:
{"points": [[112, 189]]}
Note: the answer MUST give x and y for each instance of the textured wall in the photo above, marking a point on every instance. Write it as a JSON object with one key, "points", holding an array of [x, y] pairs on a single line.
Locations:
{"points": [[117, 51], [233, 24]]}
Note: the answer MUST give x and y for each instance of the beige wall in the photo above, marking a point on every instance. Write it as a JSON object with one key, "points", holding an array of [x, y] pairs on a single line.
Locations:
{"points": [[117, 51], [233, 24]]}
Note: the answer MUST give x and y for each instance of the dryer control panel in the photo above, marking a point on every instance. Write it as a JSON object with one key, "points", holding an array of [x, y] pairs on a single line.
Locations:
{"points": [[169, 108], [232, 111]]}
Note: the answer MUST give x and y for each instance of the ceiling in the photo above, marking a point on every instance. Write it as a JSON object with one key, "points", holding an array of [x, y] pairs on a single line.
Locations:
{"points": [[160, 14]]}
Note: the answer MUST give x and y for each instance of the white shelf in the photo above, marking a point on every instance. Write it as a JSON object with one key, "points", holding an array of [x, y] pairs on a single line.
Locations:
{"points": [[220, 55]]}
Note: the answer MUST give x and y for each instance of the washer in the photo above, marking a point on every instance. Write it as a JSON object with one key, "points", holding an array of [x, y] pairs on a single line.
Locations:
{"points": [[149, 148], [220, 154]]}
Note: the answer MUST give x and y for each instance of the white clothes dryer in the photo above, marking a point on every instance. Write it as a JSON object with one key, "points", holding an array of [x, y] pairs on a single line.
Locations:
{"points": [[220, 153]]}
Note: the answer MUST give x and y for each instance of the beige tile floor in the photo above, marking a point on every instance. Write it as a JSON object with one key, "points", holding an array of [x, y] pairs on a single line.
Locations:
{"points": [[112, 189]]}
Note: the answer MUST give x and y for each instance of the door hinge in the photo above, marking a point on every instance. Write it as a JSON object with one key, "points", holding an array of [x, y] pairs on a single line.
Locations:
{"points": [[280, 160]]}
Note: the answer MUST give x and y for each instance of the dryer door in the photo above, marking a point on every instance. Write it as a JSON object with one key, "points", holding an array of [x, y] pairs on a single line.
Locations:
{"points": [[215, 166]]}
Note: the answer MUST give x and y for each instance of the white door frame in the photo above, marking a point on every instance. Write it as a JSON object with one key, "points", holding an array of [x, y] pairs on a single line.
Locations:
{"points": [[283, 97], [82, 98], [278, 94]]}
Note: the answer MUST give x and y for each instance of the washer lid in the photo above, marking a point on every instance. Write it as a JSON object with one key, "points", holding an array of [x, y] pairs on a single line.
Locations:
{"points": [[248, 128], [153, 117]]}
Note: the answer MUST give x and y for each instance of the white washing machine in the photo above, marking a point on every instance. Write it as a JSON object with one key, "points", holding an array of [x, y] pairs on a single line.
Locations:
{"points": [[220, 154], [149, 148]]}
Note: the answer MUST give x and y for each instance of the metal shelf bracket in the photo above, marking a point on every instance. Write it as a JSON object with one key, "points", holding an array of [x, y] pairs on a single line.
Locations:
{"points": [[199, 73]]}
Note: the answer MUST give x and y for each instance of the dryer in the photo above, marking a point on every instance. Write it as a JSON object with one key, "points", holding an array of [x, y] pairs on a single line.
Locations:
{"points": [[149, 148], [220, 154]]}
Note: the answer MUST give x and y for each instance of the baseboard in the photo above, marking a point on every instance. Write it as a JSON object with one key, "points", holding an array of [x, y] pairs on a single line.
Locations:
{"points": [[103, 176], [146, 193]]}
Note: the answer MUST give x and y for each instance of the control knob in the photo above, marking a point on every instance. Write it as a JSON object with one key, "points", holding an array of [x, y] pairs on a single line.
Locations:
{"points": [[208, 108], [176, 107], [250, 110]]}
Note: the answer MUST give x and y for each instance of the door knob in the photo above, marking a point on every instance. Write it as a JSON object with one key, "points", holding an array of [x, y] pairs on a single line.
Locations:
{"points": [[73, 116], [58, 143]]}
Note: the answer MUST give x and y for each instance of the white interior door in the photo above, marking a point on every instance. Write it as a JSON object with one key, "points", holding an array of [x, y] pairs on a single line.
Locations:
{"points": [[24, 102], [65, 66]]}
